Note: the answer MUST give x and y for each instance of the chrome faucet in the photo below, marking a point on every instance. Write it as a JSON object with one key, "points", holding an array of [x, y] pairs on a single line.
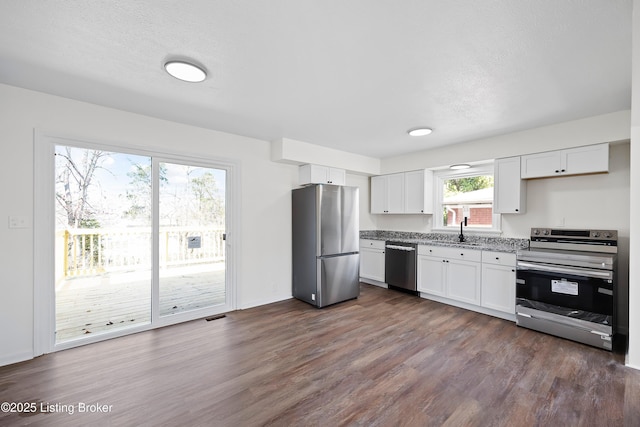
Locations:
{"points": [[461, 236]]}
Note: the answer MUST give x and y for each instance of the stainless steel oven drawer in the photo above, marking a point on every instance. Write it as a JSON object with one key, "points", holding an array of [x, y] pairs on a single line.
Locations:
{"points": [[593, 334]]}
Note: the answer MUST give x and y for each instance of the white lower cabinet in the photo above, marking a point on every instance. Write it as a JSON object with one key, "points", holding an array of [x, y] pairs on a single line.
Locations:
{"points": [[431, 275], [483, 281], [463, 281], [498, 281], [449, 272], [372, 259]]}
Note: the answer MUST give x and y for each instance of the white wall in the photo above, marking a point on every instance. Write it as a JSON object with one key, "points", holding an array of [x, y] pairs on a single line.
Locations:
{"points": [[297, 152], [633, 358], [264, 251], [362, 182]]}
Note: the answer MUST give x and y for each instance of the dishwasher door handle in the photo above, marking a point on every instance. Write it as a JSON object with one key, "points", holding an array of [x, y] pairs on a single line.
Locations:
{"points": [[401, 248]]}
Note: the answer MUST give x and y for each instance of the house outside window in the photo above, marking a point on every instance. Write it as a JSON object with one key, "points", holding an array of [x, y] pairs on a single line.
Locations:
{"points": [[465, 193]]}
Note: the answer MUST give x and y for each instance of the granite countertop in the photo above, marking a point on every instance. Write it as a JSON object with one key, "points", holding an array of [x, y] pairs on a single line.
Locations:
{"points": [[497, 244]]}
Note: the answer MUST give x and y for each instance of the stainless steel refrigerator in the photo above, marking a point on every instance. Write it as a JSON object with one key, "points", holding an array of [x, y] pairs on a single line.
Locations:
{"points": [[326, 261]]}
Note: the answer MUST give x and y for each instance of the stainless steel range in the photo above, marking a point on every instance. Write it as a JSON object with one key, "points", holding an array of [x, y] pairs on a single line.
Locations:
{"points": [[566, 284]]}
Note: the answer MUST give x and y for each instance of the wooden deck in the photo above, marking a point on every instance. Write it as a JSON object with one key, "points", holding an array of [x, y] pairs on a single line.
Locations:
{"points": [[107, 302]]}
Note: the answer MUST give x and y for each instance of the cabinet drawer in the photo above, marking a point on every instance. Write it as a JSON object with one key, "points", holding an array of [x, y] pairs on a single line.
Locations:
{"points": [[429, 250], [372, 244], [451, 253], [499, 258]]}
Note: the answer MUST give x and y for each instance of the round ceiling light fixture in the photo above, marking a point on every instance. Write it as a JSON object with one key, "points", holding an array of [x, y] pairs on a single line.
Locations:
{"points": [[421, 131], [460, 166], [185, 71]]}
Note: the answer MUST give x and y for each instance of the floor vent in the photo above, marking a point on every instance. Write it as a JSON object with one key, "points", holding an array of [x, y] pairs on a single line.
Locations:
{"points": [[219, 316]]}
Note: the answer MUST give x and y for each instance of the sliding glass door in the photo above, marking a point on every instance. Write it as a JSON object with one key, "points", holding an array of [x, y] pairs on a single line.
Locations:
{"points": [[103, 265], [191, 237], [139, 242]]}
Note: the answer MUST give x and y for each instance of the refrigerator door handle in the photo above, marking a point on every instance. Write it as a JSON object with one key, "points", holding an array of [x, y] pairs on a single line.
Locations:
{"points": [[336, 255]]}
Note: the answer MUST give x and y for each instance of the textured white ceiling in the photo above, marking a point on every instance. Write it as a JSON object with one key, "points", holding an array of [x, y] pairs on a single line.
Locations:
{"points": [[352, 75]]}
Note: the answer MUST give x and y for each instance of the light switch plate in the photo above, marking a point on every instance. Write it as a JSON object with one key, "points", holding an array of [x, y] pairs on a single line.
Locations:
{"points": [[18, 222]]}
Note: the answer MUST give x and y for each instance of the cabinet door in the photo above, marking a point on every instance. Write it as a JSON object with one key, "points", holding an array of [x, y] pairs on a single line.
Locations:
{"points": [[319, 174], [541, 164], [498, 288], [418, 192], [590, 159], [379, 185], [509, 189], [463, 281], [372, 264], [431, 275], [337, 176], [395, 193]]}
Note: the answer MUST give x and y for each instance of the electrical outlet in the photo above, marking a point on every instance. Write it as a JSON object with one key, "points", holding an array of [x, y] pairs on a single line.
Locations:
{"points": [[313, 297], [18, 222]]}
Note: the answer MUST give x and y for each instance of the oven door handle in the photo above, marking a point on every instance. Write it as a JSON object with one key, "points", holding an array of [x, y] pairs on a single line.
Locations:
{"points": [[521, 265]]}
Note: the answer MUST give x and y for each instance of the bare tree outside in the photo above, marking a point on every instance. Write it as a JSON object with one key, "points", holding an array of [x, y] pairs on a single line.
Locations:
{"points": [[76, 176]]}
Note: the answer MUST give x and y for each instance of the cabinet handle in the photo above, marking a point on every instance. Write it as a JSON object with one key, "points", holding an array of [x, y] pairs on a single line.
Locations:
{"points": [[557, 171], [497, 259], [461, 254], [517, 210]]}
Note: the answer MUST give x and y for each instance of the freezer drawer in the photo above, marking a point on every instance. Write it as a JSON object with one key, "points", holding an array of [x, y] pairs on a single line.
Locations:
{"points": [[338, 279]]}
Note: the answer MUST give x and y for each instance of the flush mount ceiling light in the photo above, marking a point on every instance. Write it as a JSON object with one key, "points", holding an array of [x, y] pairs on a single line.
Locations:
{"points": [[185, 71], [460, 166], [419, 131]]}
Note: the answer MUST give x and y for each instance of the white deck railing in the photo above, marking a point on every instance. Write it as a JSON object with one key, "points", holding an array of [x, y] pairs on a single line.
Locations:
{"points": [[82, 252]]}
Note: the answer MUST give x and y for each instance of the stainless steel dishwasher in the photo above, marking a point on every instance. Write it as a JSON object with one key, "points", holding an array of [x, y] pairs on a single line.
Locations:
{"points": [[400, 265]]}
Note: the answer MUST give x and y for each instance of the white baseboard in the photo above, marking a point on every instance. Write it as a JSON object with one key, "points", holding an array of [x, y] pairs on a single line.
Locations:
{"points": [[10, 359], [255, 303], [483, 310], [374, 282]]}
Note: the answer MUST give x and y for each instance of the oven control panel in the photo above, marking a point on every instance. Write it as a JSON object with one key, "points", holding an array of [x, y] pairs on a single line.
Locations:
{"points": [[563, 234]]}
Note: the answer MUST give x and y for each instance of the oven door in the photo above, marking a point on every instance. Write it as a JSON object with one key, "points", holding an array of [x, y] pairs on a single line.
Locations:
{"points": [[571, 291]]}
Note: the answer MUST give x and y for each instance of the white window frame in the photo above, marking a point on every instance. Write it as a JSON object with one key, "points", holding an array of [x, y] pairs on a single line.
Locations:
{"points": [[439, 177]]}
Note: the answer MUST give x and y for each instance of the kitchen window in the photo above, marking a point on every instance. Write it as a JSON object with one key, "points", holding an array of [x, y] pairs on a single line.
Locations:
{"points": [[465, 193]]}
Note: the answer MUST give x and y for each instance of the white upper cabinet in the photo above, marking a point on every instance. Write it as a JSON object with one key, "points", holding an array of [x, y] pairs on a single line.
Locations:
{"points": [[590, 159], [400, 193], [572, 161], [509, 190], [418, 190], [379, 200], [316, 174], [387, 193]]}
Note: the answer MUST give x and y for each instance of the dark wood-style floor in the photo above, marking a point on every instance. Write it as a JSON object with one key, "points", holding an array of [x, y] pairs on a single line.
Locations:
{"points": [[385, 359]]}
